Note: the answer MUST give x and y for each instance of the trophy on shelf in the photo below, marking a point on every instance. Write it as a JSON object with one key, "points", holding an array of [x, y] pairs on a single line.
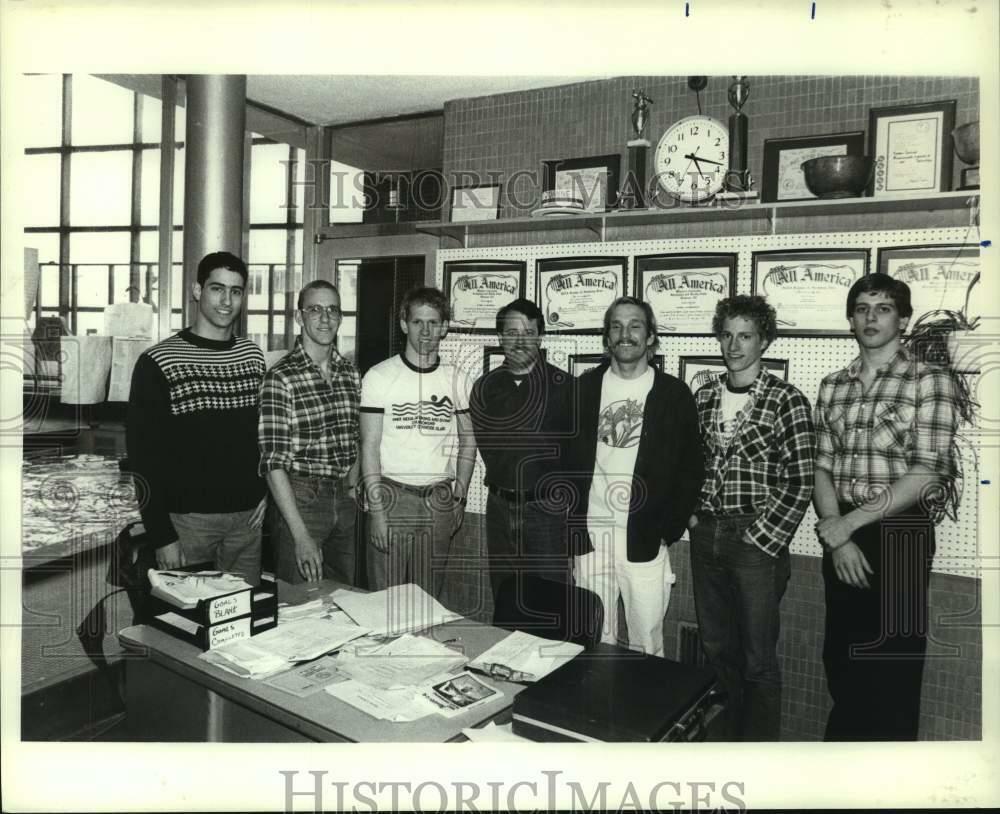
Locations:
{"points": [[738, 176], [632, 194], [966, 140]]}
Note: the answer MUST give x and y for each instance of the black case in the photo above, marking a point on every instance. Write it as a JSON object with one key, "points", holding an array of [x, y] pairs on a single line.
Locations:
{"points": [[614, 694]]}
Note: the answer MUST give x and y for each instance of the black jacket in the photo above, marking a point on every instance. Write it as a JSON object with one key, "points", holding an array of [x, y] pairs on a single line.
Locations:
{"points": [[669, 468]]}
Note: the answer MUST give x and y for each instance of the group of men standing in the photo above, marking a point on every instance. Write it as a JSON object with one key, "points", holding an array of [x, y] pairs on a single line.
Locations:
{"points": [[589, 480]]}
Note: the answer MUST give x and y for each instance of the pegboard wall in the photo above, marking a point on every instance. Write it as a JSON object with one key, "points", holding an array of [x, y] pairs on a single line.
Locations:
{"points": [[809, 358]]}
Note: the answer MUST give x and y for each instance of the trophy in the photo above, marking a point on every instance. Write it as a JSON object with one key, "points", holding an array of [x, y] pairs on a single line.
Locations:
{"points": [[632, 195], [738, 178], [966, 140]]}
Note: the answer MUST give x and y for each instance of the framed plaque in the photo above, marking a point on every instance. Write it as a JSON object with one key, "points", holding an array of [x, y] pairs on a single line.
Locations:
{"points": [[684, 288], [593, 179], [574, 292], [477, 289], [808, 287], [782, 176], [476, 202], [493, 357], [912, 148], [697, 371], [580, 363], [941, 278]]}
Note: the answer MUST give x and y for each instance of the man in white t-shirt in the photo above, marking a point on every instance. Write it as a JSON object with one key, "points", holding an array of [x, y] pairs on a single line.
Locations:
{"points": [[417, 451], [639, 454]]}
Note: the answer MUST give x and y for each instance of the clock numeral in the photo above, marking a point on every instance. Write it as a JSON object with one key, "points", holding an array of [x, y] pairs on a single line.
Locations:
{"points": [[694, 130], [672, 148], [722, 154], [718, 141]]}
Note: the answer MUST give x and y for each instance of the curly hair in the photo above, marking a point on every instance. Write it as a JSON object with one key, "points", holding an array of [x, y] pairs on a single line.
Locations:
{"points": [[748, 307]]}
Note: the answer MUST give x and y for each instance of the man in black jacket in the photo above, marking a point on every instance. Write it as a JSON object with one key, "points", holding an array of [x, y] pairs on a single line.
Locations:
{"points": [[639, 454]]}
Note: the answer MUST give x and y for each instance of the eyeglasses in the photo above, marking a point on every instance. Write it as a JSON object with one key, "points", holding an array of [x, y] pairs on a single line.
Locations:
{"points": [[316, 311]]}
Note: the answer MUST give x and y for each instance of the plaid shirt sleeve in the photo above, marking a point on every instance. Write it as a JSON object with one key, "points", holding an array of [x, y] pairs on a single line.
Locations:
{"points": [[935, 422], [274, 424], [825, 446], [788, 499]]}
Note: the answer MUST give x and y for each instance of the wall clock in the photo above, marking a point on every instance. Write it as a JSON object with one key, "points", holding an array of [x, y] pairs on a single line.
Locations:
{"points": [[692, 158]]}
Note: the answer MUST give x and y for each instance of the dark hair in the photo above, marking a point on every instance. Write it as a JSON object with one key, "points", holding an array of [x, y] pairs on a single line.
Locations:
{"points": [[525, 308], [647, 311], [316, 285], [747, 306], [879, 283], [221, 260], [425, 295]]}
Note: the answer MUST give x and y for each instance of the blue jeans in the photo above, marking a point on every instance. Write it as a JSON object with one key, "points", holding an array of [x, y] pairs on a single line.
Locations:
{"points": [[225, 540], [330, 516], [525, 538], [737, 593]]}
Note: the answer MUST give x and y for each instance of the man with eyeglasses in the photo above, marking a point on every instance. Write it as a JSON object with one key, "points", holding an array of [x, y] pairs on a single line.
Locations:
{"points": [[308, 434]]}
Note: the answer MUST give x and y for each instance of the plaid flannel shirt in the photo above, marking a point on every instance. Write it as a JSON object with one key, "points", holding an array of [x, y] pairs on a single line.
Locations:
{"points": [[306, 426], [869, 439], [766, 469]]}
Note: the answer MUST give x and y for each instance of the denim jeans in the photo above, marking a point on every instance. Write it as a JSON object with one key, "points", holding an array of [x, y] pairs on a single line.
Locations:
{"points": [[420, 528], [737, 593], [876, 638], [225, 540], [525, 538], [330, 516]]}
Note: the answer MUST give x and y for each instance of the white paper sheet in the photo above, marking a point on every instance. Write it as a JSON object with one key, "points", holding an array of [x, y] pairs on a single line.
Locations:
{"points": [[405, 662], [527, 654], [493, 733], [406, 704], [396, 610], [306, 639]]}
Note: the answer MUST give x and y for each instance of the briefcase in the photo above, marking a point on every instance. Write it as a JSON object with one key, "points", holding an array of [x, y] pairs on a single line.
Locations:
{"points": [[614, 694]]}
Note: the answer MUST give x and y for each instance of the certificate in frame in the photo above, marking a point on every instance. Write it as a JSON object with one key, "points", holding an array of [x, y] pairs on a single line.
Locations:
{"points": [[697, 371], [684, 288], [493, 357], [782, 176], [941, 278], [580, 363], [911, 147], [594, 179], [574, 292], [808, 287], [477, 289], [475, 202]]}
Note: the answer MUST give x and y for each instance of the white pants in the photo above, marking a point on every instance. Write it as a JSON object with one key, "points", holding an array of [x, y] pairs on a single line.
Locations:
{"points": [[644, 588]]}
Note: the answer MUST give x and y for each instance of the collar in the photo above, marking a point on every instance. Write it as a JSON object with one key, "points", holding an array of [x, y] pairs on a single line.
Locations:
{"points": [[756, 387], [302, 359], [416, 369], [900, 358]]}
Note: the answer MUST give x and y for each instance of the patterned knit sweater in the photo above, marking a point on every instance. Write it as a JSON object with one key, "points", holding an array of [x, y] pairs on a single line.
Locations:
{"points": [[192, 429]]}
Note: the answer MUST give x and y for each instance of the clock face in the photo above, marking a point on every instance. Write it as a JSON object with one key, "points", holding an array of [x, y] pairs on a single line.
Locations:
{"points": [[692, 158]]}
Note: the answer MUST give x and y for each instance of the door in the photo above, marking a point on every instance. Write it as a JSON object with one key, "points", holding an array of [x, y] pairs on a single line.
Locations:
{"points": [[381, 284]]}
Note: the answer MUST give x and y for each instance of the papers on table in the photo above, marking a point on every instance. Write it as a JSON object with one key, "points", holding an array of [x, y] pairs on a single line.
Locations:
{"points": [[184, 589], [493, 733], [310, 678], [270, 652], [404, 662], [396, 610], [523, 657], [322, 608]]}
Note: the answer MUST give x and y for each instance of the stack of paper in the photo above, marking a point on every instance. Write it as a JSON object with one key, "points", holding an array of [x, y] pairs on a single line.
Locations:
{"points": [[404, 662], [525, 657], [184, 589], [394, 611]]}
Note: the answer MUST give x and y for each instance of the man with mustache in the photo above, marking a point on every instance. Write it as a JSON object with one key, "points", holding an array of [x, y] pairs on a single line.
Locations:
{"points": [[191, 433], [640, 455]]}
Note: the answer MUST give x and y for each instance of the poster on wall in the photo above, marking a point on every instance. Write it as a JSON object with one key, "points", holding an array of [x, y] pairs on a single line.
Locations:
{"points": [[912, 148], [808, 287], [580, 363], [697, 371], [477, 289], [574, 293], [682, 289], [941, 278]]}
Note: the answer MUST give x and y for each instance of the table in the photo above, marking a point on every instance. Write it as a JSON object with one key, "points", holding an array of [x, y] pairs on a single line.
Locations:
{"points": [[172, 695]]}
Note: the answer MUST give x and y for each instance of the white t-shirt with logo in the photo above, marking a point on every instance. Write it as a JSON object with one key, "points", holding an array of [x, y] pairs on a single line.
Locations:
{"points": [[729, 409], [419, 428], [619, 429]]}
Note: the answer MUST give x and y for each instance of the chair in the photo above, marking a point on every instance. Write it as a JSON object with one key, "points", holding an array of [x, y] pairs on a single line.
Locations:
{"points": [[549, 609]]}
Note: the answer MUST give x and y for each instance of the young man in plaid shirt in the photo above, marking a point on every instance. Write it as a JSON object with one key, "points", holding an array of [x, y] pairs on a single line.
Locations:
{"points": [[759, 446], [885, 426], [308, 436]]}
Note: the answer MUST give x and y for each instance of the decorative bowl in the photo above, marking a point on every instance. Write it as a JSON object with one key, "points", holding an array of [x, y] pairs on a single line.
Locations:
{"points": [[838, 176], [966, 140]]}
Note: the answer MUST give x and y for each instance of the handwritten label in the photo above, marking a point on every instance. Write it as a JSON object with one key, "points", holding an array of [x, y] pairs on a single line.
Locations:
{"points": [[228, 607], [219, 635]]}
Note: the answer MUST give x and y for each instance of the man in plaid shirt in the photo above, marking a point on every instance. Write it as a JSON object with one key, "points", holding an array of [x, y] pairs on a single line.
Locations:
{"points": [[308, 436], [759, 445], [885, 426]]}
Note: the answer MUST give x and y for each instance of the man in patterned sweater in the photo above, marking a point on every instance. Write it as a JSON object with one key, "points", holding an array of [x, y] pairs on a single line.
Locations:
{"points": [[192, 432]]}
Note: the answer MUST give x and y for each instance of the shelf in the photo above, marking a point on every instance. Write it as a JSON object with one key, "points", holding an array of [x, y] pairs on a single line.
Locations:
{"points": [[600, 223]]}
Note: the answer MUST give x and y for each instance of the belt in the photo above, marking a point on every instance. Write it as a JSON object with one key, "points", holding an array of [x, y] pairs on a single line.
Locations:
{"points": [[514, 495], [423, 491]]}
